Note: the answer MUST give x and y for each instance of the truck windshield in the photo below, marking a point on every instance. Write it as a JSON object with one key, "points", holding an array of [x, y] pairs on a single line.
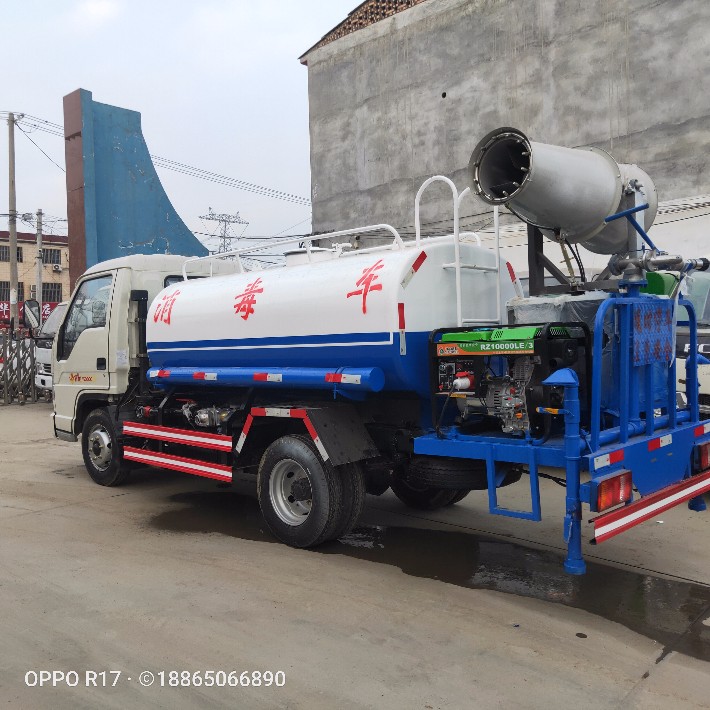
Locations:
{"points": [[50, 326], [698, 290]]}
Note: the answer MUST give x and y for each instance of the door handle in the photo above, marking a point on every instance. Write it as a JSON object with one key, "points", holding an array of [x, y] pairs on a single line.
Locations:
{"points": [[100, 363]]}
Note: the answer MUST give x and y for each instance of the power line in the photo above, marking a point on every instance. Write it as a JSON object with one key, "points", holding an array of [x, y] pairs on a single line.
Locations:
{"points": [[291, 227], [192, 171], [38, 148], [56, 129]]}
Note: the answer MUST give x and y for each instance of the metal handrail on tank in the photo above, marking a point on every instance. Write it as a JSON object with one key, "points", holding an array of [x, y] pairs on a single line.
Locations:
{"points": [[398, 243], [457, 198]]}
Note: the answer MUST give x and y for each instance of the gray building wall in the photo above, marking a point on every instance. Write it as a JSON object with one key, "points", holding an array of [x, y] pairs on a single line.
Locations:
{"points": [[630, 77]]}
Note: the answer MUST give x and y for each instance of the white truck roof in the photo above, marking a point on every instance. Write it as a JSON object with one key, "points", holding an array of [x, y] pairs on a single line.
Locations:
{"points": [[164, 262]]}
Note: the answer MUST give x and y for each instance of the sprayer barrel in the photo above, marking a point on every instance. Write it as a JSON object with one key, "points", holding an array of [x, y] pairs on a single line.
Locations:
{"points": [[567, 191]]}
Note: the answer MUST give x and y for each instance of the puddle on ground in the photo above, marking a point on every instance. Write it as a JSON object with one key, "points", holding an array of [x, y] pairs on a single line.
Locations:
{"points": [[672, 612]]}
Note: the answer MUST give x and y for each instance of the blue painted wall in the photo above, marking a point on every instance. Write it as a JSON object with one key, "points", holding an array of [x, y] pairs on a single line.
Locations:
{"points": [[126, 209]]}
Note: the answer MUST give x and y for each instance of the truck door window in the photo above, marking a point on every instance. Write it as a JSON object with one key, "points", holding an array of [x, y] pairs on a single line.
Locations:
{"points": [[88, 310]]}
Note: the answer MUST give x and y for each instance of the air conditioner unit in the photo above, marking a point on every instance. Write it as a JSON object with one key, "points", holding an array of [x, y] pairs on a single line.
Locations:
{"points": [[57, 267]]}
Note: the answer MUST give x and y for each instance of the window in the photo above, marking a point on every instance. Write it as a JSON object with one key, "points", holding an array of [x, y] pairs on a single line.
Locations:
{"points": [[51, 293], [5, 253], [88, 310], [51, 256], [5, 291], [170, 280]]}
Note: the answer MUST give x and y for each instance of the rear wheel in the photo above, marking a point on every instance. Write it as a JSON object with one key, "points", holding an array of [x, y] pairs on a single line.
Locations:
{"points": [[423, 497], [353, 482], [460, 495], [300, 495], [101, 449]]}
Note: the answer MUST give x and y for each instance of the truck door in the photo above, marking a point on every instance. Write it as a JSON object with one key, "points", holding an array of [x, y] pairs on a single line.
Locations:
{"points": [[82, 348]]}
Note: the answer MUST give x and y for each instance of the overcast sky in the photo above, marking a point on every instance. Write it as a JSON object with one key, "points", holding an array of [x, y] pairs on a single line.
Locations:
{"points": [[217, 82]]}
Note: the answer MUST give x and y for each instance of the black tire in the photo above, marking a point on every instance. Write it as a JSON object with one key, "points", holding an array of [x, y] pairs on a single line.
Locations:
{"points": [[459, 497], [447, 472], [352, 479], [423, 497], [299, 522], [102, 450]]}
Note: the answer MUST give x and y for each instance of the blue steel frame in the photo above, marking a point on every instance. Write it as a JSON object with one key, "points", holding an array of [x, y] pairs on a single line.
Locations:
{"points": [[630, 437]]}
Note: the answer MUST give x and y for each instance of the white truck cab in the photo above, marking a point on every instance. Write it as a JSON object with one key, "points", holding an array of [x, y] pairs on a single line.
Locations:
{"points": [[97, 343]]}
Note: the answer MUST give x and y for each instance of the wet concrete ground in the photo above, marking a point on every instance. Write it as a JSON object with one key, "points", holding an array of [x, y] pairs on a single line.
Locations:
{"points": [[452, 609], [669, 611]]}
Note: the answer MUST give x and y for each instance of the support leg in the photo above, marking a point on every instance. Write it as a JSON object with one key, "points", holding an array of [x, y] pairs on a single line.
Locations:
{"points": [[697, 504]]}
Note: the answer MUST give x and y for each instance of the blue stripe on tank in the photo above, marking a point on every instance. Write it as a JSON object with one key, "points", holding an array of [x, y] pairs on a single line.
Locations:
{"points": [[287, 341], [408, 372]]}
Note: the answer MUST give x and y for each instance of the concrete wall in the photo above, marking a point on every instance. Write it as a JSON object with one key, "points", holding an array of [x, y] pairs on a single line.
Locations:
{"points": [[627, 77]]}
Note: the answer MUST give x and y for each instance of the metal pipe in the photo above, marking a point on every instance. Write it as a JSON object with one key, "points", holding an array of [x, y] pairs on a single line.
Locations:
{"points": [[574, 562], [597, 372], [457, 247], [691, 362], [364, 379], [610, 436], [294, 240], [648, 390], [624, 369]]}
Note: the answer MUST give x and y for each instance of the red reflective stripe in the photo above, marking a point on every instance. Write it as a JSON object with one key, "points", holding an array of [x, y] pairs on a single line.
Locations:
{"points": [[171, 430], [205, 440], [632, 515], [298, 413], [511, 271], [176, 463], [258, 411], [400, 310], [261, 376], [654, 444], [198, 375], [333, 377], [163, 373], [247, 425], [699, 430], [419, 261], [311, 429], [616, 456]]}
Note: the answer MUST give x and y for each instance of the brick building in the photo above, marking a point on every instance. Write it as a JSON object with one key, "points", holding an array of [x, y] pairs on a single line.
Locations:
{"points": [[55, 271]]}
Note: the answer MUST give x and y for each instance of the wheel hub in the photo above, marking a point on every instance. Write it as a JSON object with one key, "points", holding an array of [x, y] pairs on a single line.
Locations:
{"points": [[100, 447], [290, 492]]}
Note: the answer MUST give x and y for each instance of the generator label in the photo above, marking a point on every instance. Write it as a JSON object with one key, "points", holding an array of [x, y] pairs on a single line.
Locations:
{"points": [[521, 347]]}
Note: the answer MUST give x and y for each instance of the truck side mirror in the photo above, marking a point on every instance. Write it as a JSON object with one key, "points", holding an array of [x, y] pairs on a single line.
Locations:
{"points": [[31, 316]]}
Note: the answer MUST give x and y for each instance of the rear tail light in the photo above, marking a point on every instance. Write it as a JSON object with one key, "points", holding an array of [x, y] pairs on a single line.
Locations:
{"points": [[614, 490], [704, 457]]}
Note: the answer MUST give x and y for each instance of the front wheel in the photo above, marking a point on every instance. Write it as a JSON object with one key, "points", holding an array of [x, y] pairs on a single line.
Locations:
{"points": [[101, 449], [300, 495]]}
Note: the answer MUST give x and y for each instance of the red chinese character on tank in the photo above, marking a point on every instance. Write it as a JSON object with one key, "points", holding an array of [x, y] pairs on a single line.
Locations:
{"points": [[165, 307], [248, 299], [366, 283]]}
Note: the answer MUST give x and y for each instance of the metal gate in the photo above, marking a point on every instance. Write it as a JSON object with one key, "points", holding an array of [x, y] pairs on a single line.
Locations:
{"points": [[17, 370]]}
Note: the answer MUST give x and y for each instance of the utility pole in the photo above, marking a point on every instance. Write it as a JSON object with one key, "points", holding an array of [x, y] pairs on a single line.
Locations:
{"points": [[12, 220], [40, 262], [225, 220]]}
